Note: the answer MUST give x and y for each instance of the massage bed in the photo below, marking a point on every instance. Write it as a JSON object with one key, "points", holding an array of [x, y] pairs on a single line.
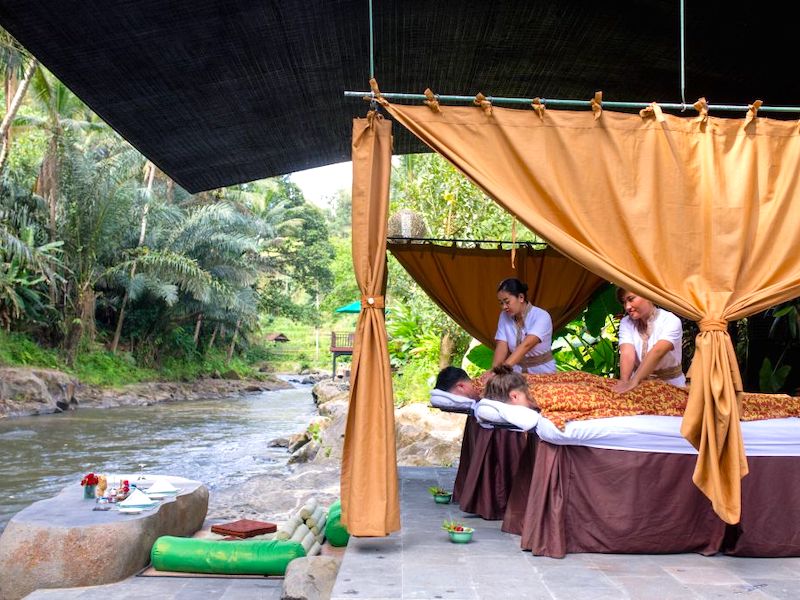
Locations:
{"points": [[490, 457], [624, 485]]}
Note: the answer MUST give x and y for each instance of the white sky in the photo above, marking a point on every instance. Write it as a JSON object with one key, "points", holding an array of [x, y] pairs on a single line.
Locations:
{"points": [[323, 182]]}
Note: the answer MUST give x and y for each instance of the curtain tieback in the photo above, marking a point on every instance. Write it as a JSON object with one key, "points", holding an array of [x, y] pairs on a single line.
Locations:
{"points": [[431, 100], [713, 325], [537, 105], [597, 104], [480, 100], [372, 302]]}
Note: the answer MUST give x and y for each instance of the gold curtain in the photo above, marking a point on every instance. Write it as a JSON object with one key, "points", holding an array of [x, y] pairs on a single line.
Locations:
{"points": [[702, 216], [463, 282], [369, 489]]}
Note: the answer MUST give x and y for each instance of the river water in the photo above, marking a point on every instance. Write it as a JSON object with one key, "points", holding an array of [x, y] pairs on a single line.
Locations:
{"points": [[219, 442]]}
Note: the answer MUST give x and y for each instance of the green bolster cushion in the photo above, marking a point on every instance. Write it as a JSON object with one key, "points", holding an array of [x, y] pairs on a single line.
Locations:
{"points": [[335, 530], [241, 557]]}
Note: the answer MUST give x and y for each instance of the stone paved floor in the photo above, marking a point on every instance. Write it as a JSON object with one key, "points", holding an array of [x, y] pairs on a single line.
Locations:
{"points": [[170, 588], [420, 562]]}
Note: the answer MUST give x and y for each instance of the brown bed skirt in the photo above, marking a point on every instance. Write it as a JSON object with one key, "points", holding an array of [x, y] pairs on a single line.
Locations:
{"points": [[487, 469], [592, 500], [770, 523]]}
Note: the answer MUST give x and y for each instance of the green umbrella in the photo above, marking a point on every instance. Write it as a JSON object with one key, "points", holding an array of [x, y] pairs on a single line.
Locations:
{"points": [[353, 307]]}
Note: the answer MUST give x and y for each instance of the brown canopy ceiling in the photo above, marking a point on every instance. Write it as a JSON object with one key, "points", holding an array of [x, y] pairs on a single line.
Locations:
{"points": [[463, 282], [217, 92]]}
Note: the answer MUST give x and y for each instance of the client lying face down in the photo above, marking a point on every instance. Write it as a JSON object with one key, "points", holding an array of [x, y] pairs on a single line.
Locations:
{"points": [[509, 386]]}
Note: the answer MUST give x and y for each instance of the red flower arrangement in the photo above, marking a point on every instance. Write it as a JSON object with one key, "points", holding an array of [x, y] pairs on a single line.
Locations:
{"points": [[90, 479]]}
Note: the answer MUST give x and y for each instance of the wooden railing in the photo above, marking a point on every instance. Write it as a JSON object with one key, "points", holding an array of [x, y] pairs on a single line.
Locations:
{"points": [[342, 342]]}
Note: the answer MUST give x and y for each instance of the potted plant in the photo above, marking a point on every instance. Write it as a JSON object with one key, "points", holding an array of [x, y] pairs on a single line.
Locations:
{"points": [[458, 532], [440, 495]]}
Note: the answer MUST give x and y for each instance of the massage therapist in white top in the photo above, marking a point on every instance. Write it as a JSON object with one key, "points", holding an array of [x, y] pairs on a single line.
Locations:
{"points": [[650, 340], [524, 332]]}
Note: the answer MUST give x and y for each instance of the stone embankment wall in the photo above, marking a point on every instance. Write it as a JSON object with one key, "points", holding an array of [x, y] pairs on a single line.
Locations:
{"points": [[35, 391], [31, 391]]}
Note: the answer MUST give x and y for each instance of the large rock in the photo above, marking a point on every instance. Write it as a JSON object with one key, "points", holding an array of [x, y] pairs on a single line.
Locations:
{"points": [[328, 389], [427, 437], [25, 391], [310, 578], [61, 542]]}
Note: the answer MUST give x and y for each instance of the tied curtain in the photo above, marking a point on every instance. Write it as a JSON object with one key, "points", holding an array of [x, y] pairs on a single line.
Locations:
{"points": [[701, 216], [463, 282], [369, 489]]}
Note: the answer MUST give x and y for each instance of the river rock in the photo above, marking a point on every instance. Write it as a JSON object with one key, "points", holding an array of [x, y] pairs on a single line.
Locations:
{"points": [[310, 578], [281, 442], [27, 391], [61, 542], [306, 453], [297, 441], [328, 390]]}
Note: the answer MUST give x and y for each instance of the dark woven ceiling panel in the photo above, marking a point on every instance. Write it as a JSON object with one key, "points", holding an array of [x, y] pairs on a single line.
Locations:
{"points": [[220, 92]]}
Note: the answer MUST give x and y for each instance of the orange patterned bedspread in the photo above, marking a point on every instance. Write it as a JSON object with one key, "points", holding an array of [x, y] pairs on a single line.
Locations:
{"points": [[575, 395]]}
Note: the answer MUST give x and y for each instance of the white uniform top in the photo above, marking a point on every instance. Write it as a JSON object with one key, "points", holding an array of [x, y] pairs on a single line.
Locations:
{"points": [[665, 326], [538, 323]]}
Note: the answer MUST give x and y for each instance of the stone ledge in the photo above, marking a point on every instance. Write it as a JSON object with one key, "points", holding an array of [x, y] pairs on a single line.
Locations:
{"points": [[61, 542]]}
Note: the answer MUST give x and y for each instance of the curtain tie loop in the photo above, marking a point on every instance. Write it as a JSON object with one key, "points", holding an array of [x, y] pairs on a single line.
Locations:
{"points": [[376, 94], [597, 104], [713, 325], [701, 106], [431, 100], [480, 100], [538, 106], [514, 242], [375, 301], [752, 111], [652, 110]]}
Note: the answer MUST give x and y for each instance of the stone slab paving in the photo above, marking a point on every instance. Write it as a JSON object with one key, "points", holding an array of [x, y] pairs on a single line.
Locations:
{"points": [[420, 562], [170, 588]]}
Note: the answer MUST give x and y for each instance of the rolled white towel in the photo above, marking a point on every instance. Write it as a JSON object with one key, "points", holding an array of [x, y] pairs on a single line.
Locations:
{"points": [[308, 541], [319, 528], [492, 412], [287, 529], [299, 533], [316, 548], [308, 508], [315, 517], [447, 401]]}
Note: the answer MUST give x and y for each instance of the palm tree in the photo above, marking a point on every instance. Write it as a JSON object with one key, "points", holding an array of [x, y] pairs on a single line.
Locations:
{"points": [[15, 62]]}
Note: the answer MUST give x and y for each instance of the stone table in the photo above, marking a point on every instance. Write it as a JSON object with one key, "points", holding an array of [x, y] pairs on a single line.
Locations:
{"points": [[61, 542]]}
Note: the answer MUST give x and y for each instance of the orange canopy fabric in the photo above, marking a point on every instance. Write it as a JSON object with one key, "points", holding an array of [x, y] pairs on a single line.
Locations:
{"points": [[702, 216], [369, 489], [463, 282]]}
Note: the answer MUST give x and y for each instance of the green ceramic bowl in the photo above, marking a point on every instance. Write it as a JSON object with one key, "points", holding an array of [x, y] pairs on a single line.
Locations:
{"points": [[461, 537], [442, 498]]}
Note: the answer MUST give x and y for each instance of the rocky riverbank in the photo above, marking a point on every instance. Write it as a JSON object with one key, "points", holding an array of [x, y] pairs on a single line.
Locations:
{"points": [[32, 391], [424, 437]]}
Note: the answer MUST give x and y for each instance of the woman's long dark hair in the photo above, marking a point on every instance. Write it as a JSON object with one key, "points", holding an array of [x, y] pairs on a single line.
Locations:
{"points": [[514, 286]]}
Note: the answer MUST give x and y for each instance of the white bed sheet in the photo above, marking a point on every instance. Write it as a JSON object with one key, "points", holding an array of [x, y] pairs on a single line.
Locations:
{"points": [[642, 433]]}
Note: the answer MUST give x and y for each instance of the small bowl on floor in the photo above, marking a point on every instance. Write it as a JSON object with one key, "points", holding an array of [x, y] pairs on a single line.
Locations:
{"points": [[461, 537], [442, 498]]}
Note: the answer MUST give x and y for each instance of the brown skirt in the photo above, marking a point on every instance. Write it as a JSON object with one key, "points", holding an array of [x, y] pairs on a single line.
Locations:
{"points": [[490, 472], [520, 488], [770, 521], [592, 500]]}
